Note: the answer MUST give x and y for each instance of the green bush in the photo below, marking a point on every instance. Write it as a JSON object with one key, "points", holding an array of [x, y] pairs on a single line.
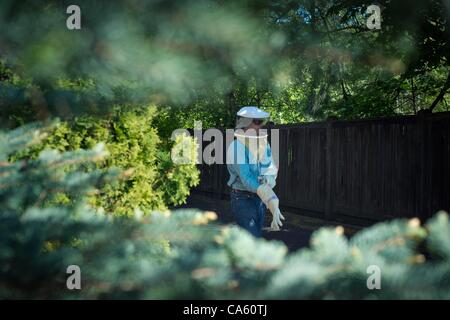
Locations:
{"points": [[129, 258], [153, 180]]}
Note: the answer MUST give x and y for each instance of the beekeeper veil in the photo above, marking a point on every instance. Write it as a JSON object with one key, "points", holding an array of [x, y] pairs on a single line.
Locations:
{"points": [[255, 141]]}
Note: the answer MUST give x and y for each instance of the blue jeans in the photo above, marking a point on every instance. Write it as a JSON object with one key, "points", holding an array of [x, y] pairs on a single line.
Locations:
{"points": [[248, 211]]}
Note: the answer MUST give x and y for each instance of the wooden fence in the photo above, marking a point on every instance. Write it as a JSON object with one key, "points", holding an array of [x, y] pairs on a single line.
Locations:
{"points": [[361, 171]]}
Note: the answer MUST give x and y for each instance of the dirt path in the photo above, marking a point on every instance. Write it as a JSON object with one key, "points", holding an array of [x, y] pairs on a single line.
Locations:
{"points": [[295, 233]]}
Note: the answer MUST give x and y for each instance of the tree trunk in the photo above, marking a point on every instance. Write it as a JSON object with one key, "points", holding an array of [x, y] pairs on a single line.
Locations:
{"points": [[413, 92], [441, 93]]}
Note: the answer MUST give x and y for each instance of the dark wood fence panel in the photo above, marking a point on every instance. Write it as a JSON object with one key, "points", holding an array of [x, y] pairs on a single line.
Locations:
{"points": [[375, 169], [303, 158], [440, 164], [369, 170]]}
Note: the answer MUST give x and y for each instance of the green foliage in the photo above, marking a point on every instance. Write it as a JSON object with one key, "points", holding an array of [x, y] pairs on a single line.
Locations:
{"points": [[155, 54], [63, 201], [300, 60], [153, 181], [130, 258]]}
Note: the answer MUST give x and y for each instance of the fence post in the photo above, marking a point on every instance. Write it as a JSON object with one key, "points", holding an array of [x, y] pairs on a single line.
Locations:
{"points": [[424, 130], [329, 170]]}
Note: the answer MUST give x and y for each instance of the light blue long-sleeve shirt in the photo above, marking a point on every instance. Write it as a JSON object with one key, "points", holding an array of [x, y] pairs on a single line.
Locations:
{"points": [[245, 171]]}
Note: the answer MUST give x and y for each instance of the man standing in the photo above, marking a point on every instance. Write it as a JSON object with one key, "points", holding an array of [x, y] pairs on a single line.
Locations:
{"points": [[252, 173]]}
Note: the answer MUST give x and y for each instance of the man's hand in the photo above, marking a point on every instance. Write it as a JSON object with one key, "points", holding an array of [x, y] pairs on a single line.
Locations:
{"points": [[276, 220], [270, 199]]}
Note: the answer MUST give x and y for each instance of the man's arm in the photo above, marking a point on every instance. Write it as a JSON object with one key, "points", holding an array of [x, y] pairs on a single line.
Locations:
{"points": [[269, 171]]}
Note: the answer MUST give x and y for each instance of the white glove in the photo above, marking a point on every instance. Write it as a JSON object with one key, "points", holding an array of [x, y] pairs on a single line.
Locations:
{"points": [[276, 220], [270, 199]]}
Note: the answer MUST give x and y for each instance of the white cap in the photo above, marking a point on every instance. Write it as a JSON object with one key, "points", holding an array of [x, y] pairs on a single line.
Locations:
{"points": [[252, 112]]}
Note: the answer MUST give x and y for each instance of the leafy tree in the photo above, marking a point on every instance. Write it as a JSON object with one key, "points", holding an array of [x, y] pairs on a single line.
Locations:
{"points": [[301, 60], [153, 181]]}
